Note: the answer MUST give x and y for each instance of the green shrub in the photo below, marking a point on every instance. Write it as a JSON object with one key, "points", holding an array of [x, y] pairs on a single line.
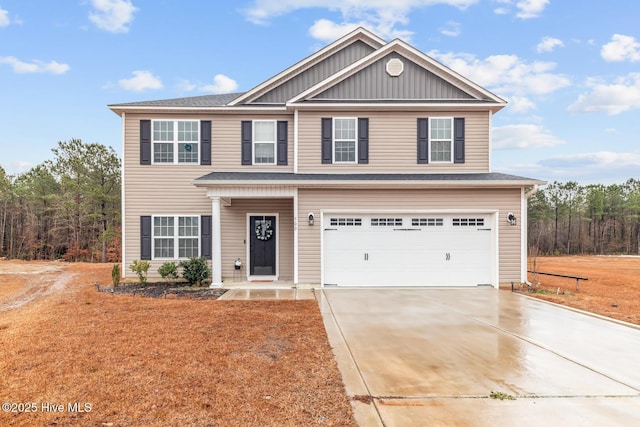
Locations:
{"points": [[195, 270], [168, 270], [141, 268], [115, 275]]}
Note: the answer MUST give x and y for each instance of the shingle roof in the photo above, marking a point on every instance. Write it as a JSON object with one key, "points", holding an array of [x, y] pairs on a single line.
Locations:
{"points": [[192, 101], [491, 177]]}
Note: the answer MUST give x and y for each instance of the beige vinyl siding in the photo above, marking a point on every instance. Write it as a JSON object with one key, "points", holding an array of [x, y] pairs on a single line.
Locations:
{"points": [[505, 200], [393, 143], [234, 235]]}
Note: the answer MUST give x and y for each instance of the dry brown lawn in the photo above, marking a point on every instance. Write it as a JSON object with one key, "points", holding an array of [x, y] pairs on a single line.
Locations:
{"points": [[613, 288], [130, 360]]}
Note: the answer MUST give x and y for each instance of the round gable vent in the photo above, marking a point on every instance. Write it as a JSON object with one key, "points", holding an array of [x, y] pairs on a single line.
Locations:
{"points": [[395, 67]]}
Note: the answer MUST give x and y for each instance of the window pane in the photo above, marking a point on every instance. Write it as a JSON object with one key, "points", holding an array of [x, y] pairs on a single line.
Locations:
{"points": [[163, 152], [345, 151], [187, 153], [440, 151], [345, 129], [163, 226], [188, 226], [162, 131], [440, 128], [188, 131], [187, 248], [264, 131], [163, 248], [264, 153]]}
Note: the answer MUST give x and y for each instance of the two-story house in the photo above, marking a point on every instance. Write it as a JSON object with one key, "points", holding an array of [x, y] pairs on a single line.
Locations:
{"points": [[366, 164]]}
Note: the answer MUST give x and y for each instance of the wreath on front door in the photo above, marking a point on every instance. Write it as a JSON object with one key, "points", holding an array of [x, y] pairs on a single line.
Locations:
{"points": [[264, 230]]}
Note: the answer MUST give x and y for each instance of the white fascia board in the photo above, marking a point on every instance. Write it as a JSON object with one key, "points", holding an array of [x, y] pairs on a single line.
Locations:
{"points": [[357, 104], [221, 109], [365, 183], [357, 34], [398, 45]]}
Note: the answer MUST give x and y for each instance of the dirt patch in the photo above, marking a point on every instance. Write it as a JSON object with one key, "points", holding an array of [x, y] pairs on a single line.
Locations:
{"points": [[23, 282], [613, 288], [127, 360]]}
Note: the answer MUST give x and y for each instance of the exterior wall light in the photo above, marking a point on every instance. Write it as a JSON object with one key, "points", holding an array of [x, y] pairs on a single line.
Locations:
{"points": [[512, 218], [311, 218]]}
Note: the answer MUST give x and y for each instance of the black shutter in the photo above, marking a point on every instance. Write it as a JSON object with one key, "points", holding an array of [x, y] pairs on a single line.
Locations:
{"points": [[363, 141], [423, 141], [327, 141], [458, 140], [247, 141], [145, 237], [205, 142], [205, 236], [145, 142], [282, 145]]}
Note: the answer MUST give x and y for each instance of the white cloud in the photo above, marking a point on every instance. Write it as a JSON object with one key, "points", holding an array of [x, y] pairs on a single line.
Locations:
{"points": [[114, 16], [381, 16], [548, 44], [141, 80], [621, 48], [453, 29], [521, 104], [18, 167], [523, 136], [601, 160], [4, 18], [530, 8], [221, 84], [35, 66], [326, 30], [506, 74], [614, 98]]}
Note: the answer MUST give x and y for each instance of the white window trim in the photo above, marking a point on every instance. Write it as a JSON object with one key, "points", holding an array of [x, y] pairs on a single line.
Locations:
{"points": [[254, 142], [176, 237], [333, 141], [451, 140], [175, 142]]}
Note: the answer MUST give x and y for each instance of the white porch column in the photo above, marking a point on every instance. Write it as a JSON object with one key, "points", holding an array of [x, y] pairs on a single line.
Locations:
{"points": [[216, 241]]}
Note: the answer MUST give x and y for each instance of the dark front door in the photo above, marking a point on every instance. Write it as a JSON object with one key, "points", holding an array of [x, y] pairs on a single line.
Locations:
{"points": [[262, 245]]}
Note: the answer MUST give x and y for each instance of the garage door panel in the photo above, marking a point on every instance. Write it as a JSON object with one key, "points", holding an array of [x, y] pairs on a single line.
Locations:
{"points": [[408, 256]]}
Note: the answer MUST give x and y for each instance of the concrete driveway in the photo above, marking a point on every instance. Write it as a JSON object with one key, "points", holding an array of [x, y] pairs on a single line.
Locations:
{"points": [[416, 357]]}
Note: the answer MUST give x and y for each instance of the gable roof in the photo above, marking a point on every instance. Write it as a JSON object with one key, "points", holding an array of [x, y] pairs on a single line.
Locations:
{"points": [[359, 34], [397, 46]]}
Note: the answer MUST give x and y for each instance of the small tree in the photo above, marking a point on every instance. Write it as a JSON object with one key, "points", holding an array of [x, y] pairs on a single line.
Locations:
{"points": [[168, 270], [195, 270], [115, 275], [141, 268]]}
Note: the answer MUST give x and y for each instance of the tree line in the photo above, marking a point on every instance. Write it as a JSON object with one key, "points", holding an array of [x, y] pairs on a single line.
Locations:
{"points": [[65, 208], [567, 218]]}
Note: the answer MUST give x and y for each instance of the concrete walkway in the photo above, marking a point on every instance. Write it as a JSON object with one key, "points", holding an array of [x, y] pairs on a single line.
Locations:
{"points": [[262, 294], [416, 357]]}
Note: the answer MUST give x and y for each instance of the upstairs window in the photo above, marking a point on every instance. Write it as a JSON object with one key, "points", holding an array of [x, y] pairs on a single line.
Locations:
{"points": [[441, 140], [264, 142], [176, 141], [344, 140]]}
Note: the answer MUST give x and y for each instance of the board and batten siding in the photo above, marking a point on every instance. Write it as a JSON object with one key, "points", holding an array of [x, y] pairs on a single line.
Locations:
{"points": [[504, 200], [393, 143], [316, 73], [233, 224]]}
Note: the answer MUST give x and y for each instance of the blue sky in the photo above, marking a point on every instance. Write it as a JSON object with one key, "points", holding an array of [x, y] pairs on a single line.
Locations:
{"points": [[570, 69]]}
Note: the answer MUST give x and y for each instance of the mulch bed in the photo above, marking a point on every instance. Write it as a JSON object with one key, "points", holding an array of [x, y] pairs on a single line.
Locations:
{"points": [[164, 290]]}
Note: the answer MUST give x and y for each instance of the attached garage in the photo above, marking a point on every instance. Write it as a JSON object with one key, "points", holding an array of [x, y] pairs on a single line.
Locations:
{"points": [[409, 249]]}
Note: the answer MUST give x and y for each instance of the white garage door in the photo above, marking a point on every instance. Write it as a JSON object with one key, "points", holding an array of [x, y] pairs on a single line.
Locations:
{"points": [[408, 250]]}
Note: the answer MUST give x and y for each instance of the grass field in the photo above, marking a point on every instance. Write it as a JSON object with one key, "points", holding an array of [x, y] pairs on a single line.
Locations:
{"points": [[128, 360]]}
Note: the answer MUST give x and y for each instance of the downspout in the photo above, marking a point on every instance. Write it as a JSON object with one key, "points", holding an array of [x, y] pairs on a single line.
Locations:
{"points": [[122, 201], [524, 223]]}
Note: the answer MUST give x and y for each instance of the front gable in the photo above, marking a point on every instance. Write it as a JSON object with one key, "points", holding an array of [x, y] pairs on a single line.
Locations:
{"points": [[316, 73], [414, 82]]}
